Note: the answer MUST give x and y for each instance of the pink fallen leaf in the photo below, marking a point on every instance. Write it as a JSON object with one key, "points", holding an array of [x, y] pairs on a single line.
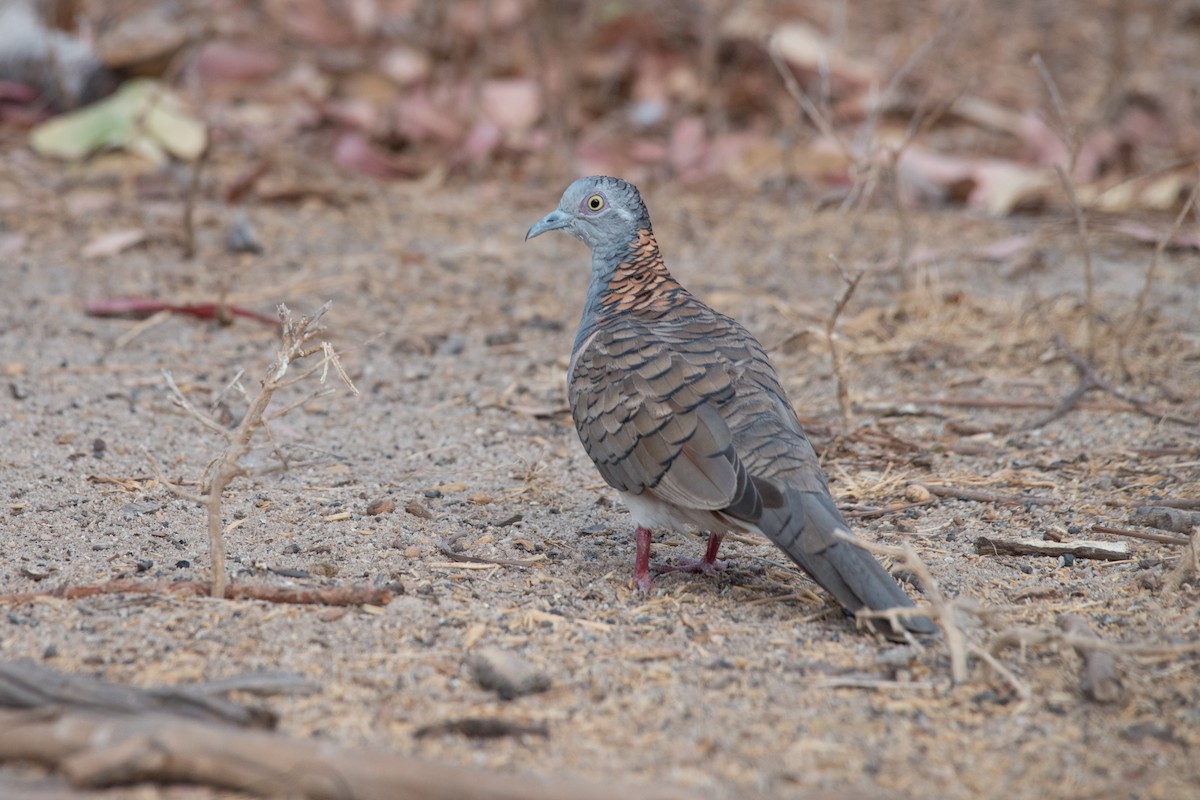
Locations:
{"points": [[1002, 250], [405, 65], [17, 92], [513, 104], [354, 112], [994, 185], [1002, 187], [803, 46], [113, 242], [687, 145], [226, 61], [1146, 234], [482, 141], [354, 153], [419, 118]]}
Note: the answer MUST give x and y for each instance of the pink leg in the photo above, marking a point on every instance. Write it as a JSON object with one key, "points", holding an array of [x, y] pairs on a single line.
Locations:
{"points": [[706, 565], [641, 562]]}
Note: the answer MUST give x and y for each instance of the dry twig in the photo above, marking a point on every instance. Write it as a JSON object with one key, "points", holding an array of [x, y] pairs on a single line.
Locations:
{"points": [[945, 611], [983, 496], [93, 750], [297, 336], [835, 352], [1139, 308], [1103, 551], [299, 595], [1161, 538]]}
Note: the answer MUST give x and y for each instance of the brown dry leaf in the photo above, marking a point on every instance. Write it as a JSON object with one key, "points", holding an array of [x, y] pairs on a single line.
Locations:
{"points": [[1163, 192], [113, 242], [143, 43]]}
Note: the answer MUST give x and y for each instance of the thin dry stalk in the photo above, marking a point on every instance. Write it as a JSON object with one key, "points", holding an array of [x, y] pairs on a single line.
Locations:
{"points": [[945, 611], [835, 352], [1139, 308], [1070, 138], [297, 338], [1020, 687], [819, 120], [1089, 279], [1188, 567], [1067, 132], [189, 200]]}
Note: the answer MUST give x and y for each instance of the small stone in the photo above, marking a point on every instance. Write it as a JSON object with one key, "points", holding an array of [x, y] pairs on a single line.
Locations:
{"points": [[98, 447], [38, 571], [506, 673], [240, 237], [144, 565], [183, 564], [381, 505], [916, 493], [50, 652], [418, 509]]}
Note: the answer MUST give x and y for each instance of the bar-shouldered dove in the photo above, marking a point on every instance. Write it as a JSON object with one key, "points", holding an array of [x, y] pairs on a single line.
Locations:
{"points": [[683, 414]]}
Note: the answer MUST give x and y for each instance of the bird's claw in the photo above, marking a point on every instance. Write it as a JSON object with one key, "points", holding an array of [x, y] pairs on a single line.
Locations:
{"points": [[694, 565]]}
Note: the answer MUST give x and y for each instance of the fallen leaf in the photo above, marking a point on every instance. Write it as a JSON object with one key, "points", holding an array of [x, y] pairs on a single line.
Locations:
{"points": [[405, 65], [113, 242], [1145, 234], [225, 61], [803, 46], [514, 105], [481, 142], [353, 152], [144, 117]]}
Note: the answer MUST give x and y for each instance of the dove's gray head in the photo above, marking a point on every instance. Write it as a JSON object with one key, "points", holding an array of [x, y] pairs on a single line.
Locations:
{"points": [[603, 213]]}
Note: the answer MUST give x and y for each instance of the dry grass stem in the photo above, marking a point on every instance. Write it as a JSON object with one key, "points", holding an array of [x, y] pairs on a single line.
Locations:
{"points": [[945, 611], [1089, 278], [1188, 568], [835, 352], [1139, 307], [297, 344]]}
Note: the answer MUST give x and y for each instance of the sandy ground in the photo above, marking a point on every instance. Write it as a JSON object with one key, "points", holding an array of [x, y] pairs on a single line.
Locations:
{"points": [[746, 684]]}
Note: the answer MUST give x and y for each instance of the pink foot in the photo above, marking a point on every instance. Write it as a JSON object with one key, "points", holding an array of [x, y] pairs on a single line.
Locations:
{"points": [[707, 565]]}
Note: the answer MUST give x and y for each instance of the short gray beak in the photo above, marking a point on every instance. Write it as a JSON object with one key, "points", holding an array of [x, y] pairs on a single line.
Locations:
{"points": [[551, 222]]}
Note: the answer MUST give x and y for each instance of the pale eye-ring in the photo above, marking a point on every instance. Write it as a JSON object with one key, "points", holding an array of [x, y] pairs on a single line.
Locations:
{"points": [[595, 202]]}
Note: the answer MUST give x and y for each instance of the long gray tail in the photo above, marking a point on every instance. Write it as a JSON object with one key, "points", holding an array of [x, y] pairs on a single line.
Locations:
{"points": [[805, 526]]}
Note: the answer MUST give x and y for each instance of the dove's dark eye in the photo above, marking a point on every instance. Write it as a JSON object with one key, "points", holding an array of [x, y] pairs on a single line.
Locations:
{"points": [[594, 203]]}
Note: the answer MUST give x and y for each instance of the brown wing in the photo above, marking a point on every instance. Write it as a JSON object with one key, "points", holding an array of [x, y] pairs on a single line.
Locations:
{"points": [[646, 412]]}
